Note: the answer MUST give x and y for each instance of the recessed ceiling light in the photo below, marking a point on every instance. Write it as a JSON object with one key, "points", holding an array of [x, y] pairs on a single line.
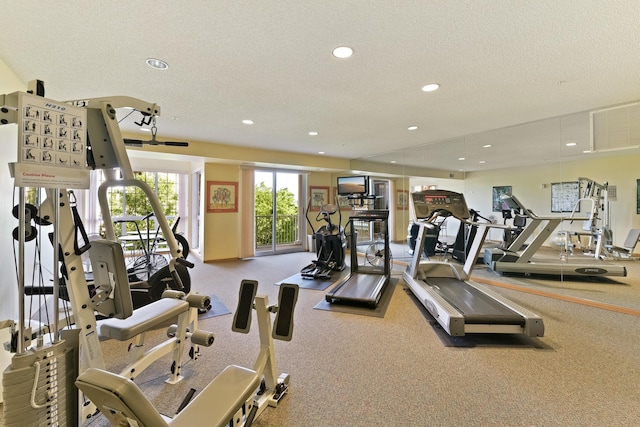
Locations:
{"points": [[430, 87], [313, 133], [486, 146], [571, 144], [412, 128], [393, 161], [461, 158], [481, 162], [247, 121], [342, 52], [157, 64], [320, 152]]}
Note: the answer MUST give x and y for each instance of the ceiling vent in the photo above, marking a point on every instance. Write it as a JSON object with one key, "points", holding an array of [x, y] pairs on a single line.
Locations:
{"points": [[615, 128]]}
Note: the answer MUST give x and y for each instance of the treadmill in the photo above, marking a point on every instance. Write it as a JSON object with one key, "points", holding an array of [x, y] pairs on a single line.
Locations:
{"points": [[365, 283], [458, 304], [515, 260]]}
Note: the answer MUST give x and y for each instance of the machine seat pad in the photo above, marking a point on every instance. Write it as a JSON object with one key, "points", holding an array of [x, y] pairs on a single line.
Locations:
{"points": [[143, 319], [220, 399], [118, 398]]}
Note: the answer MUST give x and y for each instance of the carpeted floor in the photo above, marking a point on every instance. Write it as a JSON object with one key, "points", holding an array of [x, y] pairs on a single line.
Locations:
{"points": [[402, 370]]}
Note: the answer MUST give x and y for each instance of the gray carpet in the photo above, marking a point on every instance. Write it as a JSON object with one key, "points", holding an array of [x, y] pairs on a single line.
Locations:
{"points": [[316, 284], [378, 311], [401, 371]]}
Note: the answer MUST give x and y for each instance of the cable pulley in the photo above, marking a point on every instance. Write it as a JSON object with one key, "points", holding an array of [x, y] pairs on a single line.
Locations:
{"points": [[30, 213], [154, 131]]}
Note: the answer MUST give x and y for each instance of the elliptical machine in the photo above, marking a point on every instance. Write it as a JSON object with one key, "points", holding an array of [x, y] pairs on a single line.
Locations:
{"points": [[331, 244]]}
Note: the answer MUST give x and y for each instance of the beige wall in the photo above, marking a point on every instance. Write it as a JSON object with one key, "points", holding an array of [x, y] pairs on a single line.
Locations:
{"points": [[532, 187], [215, 152], [221, 230]]}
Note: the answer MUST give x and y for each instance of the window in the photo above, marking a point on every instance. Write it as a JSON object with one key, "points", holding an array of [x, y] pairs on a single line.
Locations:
{"points": [[128, 204]]}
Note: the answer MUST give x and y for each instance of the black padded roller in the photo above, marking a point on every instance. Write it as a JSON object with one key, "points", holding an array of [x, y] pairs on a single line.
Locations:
{"points": [[283, 325], [242, 317]]}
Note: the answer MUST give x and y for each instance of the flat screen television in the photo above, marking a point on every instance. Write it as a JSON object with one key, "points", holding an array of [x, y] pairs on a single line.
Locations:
{"points": [[353, 185]]}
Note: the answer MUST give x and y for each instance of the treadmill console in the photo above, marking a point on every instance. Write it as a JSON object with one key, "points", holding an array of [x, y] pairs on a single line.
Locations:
{"points": [[444, 202], [513, 203]]}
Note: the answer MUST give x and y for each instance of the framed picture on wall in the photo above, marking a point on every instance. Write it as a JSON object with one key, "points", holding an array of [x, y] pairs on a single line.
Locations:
{"points": [[222, 196], [402, 201], [496, 197], [319, 196]]}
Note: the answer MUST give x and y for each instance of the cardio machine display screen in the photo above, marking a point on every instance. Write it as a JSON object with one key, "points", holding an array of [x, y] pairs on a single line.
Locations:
{"points": [[428, 202], [438, 200]]}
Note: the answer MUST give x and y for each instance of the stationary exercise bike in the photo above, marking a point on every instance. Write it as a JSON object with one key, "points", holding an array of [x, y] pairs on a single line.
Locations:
{"points": [[331, 244], [149, 274]]}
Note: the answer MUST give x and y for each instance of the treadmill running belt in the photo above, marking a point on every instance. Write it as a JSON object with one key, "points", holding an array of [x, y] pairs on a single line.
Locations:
{"points": [[476, 307]]}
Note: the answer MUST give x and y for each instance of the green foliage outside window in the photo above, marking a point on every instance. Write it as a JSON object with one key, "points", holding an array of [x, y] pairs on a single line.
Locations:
{"points": [[132, 203], [286, 215]]}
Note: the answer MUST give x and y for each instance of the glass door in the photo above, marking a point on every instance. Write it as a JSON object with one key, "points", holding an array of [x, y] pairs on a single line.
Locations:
{"points": [[277, 212], [380, 189]]}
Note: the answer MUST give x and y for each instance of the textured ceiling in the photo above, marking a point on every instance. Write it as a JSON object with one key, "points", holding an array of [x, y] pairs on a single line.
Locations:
{"points": [[500, 63]]}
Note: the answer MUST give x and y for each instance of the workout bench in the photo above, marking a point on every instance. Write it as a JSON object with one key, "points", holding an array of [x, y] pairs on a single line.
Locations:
{"points": [[112, 298], [235, 397], [152, 316], [628, 247], [124, 324]]}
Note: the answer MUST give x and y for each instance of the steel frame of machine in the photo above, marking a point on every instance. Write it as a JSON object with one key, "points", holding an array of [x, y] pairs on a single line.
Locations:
{"points": [[460, 305], [539, 229]]}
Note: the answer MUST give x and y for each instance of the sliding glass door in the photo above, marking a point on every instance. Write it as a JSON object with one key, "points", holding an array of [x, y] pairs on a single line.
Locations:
{"points": [[277, 212]]}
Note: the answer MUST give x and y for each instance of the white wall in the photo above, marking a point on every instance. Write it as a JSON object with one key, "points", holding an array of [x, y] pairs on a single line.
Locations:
{"points": [[9, 83]]}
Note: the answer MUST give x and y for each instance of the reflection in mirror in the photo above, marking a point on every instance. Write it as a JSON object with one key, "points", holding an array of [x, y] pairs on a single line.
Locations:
{"points": [[531, 159]]}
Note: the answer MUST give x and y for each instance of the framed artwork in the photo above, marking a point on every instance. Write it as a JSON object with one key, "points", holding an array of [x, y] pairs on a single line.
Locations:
{"points": [[496, 194], [565, 196], [402, 202], [222, 196], [319, 196]]}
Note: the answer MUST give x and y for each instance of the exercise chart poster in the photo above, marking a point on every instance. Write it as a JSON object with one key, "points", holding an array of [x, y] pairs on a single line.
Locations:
{"points": [[51, 133], [565, 196]]}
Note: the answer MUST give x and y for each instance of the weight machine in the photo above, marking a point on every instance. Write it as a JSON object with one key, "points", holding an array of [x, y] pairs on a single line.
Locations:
{"points": [[538, 229], [56, 140], [596, 226], [234, 398]]}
